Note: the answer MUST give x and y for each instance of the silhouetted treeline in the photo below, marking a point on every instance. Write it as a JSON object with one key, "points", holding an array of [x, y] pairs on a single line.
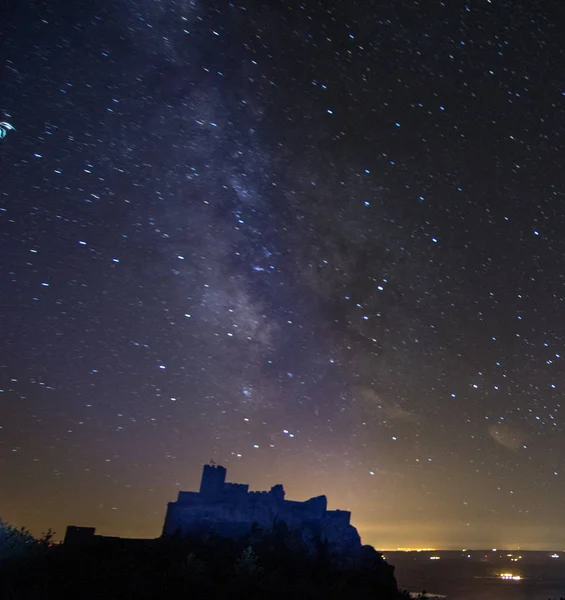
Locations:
{"points": [[258, 567]]}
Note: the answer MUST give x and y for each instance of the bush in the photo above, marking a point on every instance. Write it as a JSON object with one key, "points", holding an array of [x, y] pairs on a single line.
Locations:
{"points": [[18, 543]]}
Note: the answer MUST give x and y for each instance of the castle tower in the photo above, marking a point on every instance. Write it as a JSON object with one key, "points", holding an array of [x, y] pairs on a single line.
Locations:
{"points": [[277, 492], [213, 480]]}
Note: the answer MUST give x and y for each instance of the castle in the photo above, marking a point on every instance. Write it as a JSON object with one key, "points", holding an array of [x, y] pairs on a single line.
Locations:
{"points": [[231, 510]]}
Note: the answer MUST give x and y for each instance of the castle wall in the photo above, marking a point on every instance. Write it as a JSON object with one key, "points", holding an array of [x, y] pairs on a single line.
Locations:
{"points": [[189, 498], [200, 516], [230, 509], [338, 517], [234, 492]]}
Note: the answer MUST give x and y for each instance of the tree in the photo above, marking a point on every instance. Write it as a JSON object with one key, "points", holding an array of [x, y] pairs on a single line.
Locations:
{"points": [[18, 543], [248, 563]]}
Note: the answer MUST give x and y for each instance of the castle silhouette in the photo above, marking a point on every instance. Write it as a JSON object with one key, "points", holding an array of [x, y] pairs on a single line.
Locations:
{"points": [[232, 511]]}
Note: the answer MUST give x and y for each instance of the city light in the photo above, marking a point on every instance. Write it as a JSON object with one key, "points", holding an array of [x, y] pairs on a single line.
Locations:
{"points": [[510, 576]]}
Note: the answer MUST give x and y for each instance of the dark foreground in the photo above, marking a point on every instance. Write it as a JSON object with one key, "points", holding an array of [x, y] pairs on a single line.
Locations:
{"points": [[199, 569]]}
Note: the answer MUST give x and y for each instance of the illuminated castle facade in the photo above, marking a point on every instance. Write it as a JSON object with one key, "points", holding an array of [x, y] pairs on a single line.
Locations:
{"points": [[231, 510]]}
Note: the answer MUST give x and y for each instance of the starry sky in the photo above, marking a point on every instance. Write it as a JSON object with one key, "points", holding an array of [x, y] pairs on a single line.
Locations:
{"points": [[318, 243]]}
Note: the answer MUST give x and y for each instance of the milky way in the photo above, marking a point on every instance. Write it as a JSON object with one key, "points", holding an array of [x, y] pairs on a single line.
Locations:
{"points": [[321, 246]]}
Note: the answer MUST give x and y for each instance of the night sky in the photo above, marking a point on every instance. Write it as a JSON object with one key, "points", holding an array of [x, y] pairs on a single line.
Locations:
{"points": [[321, 244]]}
